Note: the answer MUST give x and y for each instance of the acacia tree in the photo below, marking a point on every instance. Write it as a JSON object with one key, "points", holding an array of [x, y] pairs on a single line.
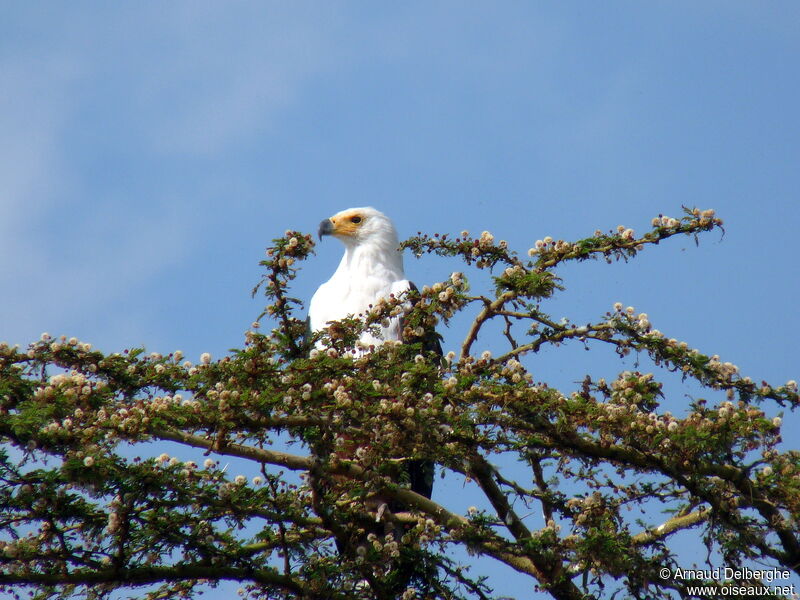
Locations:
{"points": [[82, 514]]}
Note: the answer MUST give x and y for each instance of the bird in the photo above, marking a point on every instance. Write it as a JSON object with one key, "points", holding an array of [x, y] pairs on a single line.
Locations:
{"points": [[371, 270]]}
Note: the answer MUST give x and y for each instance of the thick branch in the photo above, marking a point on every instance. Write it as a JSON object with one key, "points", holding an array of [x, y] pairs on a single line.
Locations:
{"points": [[489, 310], [274, 457], [483, 473], [671, 526]]}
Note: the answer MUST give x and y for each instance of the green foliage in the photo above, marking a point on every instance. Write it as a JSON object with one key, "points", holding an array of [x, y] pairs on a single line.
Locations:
{"points": [[80, 516]]}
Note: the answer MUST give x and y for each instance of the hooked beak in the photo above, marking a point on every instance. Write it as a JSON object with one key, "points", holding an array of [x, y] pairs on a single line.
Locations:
{"points": [[325, 228]]}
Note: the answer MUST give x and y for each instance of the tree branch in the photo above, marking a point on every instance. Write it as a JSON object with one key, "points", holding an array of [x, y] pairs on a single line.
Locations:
{"points": [[489, 310], [670, 526]]}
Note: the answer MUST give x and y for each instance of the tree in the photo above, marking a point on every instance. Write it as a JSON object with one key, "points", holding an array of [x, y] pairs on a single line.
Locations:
{"points": [[82, 513]]}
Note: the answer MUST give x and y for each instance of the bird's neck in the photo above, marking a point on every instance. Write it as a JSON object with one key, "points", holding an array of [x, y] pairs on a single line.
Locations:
{"points": [[372, 260]]}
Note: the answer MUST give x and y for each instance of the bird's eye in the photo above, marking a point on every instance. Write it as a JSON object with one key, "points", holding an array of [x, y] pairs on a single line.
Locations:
{"points": [[355, 219]]}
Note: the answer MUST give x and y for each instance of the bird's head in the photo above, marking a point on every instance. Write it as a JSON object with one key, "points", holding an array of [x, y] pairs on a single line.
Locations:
{"points": [[355, 226]]}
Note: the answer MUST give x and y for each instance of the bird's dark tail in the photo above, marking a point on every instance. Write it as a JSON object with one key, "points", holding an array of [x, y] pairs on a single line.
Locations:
{"points": [[399, 565]]}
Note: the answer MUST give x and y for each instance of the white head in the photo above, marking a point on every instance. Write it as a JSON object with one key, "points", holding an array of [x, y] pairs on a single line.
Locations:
{"points": [[361, 226]]}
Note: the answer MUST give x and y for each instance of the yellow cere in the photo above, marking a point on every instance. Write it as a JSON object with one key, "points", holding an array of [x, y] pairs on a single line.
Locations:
{"points": [[347, 222]]}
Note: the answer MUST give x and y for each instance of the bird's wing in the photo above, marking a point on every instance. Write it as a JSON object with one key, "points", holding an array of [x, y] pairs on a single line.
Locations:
{"points": [[420, 471], [431, 341], [319, 309]]}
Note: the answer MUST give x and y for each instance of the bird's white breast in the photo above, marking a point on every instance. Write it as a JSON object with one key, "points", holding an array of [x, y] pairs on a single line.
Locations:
{"points": [[341, 297]]}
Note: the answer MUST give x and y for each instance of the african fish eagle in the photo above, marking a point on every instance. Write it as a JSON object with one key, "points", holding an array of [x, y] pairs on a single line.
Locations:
{"points": [[371, 269]]}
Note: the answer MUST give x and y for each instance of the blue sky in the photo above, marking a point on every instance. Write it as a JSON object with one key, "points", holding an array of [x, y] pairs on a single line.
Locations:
{"points": [[151, 150]]}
